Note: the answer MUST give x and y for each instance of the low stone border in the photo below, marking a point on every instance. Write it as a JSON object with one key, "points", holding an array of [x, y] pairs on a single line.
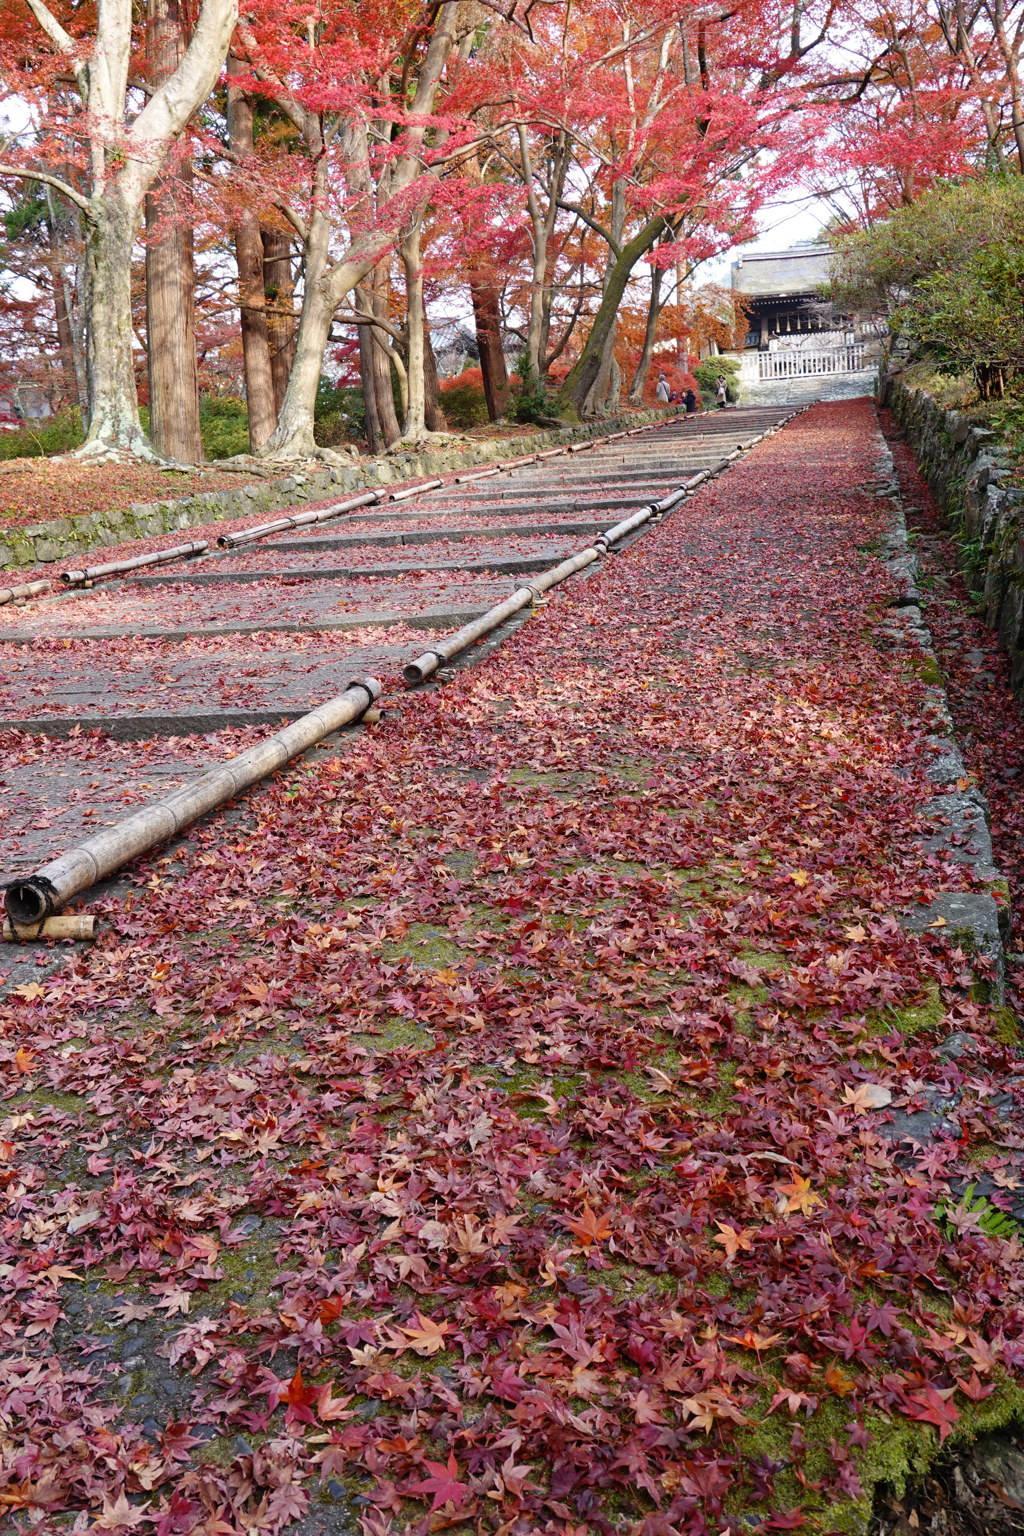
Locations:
{"points": [[58, 540], [961, 835], [968, 467]]}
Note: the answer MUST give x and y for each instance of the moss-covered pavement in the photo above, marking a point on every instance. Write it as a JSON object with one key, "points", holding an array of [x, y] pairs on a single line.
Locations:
{"points": [[561, 1107]]}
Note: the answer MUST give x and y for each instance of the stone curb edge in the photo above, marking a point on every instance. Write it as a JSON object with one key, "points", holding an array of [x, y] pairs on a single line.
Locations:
{"points": [[974, 917]]}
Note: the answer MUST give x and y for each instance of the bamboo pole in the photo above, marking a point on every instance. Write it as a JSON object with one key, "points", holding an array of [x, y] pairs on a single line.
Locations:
{"points": [[49, 928], [34, 898], [416, 490], [25, 590], [300, 520], [479, 474], [117, 567]]}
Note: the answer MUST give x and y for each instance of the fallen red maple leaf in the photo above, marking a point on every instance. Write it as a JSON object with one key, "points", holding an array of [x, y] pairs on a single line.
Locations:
{"points": [[933, 1406], [443, 1484]]}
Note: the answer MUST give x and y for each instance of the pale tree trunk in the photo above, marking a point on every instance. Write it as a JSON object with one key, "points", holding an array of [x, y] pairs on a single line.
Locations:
{"points": [[594, 403], [542, 224], [415, 425], [325, 286], [113, 406], [595, 400], [293, 438], [614, 397], [259, 381], [279, 289], [123, 160]]}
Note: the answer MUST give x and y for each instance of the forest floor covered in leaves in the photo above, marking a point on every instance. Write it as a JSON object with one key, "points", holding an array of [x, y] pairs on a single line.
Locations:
{"points": [[39, 490], [530, 1113]]}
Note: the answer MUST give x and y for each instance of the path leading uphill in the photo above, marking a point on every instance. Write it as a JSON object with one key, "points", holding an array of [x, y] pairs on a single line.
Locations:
{"points": [[568, 1106]]}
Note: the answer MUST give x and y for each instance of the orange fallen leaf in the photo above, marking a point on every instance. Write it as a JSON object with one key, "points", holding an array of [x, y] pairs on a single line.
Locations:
{"points": [[733, 1239], [426, 1337], [798, 1196], [590, 1228]]}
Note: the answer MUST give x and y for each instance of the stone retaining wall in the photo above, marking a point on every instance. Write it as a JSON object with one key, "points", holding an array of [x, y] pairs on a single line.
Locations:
{"points": [[968, 469], [68, 536]]}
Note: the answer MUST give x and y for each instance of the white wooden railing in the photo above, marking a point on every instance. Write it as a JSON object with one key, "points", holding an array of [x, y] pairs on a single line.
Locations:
{"points": [[799, 364]]}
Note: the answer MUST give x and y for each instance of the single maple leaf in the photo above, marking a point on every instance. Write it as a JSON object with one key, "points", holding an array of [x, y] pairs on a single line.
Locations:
{"points": [[119, 1515], [24, 1059], [856, 934], [838, 1382], [589, 1228], [443, 1484], [933, 1406], [798, 1196], [751, 1339], [31, 991], [733, 1239], [799, 876], [715, 1403], [865, 1096], [426, 1337]]}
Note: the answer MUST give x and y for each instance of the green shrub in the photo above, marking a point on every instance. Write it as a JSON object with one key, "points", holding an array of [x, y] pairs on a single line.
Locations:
{"points": [[340, 414], [224, 423], [59, 434], [464, 405], [948, 271], [529, 400]]}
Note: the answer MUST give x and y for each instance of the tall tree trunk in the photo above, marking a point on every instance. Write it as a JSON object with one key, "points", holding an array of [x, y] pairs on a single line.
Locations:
{"points": [[387, 415], [64, 232], [170, 278], [279, 288], [433, 411], [595, 402], [487, 315], [293, 438], [382, 427], [580, 380], [371, 426], [259, 381], [643, 367], [113, 405], [65, 335], [542, 224], [415, 426]]}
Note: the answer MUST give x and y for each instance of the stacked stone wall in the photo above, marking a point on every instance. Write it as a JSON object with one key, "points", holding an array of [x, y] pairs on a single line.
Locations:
{"points": [[969, 470]]}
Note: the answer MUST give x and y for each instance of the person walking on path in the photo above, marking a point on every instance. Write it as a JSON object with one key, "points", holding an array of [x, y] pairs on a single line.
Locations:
{"points": [[663, 390], [721, 392]]}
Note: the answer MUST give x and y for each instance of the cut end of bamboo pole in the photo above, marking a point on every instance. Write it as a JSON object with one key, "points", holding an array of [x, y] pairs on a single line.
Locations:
{"points": [[29, 902], [423, 667]]}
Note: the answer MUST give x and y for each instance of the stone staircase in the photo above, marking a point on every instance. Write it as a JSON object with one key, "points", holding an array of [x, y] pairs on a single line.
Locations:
{"points": [[808, 391]]}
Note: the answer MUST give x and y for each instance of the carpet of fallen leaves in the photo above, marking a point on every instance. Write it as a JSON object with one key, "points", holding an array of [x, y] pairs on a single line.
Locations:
{"points": [[494, 1125], [38, 490]]}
